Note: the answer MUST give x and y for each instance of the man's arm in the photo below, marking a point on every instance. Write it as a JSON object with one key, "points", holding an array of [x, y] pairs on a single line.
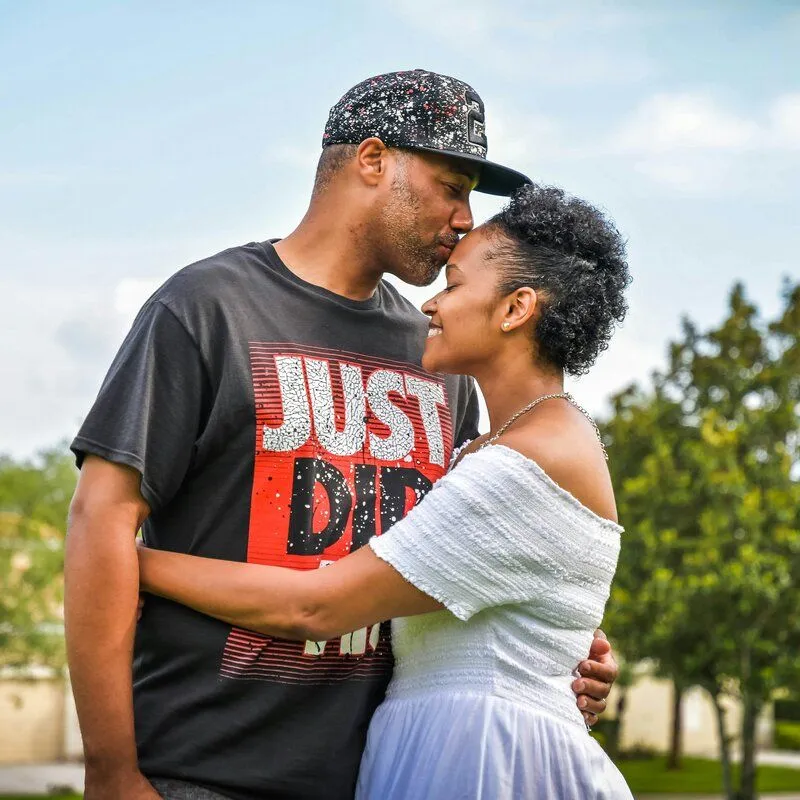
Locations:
{"points": [[101, 593]]}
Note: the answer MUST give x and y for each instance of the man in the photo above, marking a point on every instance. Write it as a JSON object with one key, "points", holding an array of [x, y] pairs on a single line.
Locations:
{"points": [[269, 406]]}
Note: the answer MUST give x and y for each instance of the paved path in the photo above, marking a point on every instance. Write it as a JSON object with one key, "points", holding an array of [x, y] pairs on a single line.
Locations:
{"points": [[780, 796], [783, 758], [40, 778]]}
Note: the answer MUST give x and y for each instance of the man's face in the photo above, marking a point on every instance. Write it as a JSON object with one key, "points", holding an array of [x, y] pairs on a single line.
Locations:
{"points": [[423, 211]]}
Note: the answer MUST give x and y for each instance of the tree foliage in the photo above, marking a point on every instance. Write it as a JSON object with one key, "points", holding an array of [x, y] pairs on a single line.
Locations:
{"points": [[34, 500], [706, 468]]}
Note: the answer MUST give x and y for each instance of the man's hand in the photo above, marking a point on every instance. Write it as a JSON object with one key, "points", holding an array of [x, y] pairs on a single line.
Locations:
{"points": [[598, 673], [127, 784]]}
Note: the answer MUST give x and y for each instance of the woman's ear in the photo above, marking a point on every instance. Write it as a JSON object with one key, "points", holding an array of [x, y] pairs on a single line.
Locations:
{"points": [[520, 307]]}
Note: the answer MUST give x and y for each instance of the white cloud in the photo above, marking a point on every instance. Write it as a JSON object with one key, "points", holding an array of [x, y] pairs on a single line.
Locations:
{"points": [[669, 122], [441, 17], [672, 173], [784, 116], [633, 355], [57, 343], [522, 37], [690, 142], [523, 138]]}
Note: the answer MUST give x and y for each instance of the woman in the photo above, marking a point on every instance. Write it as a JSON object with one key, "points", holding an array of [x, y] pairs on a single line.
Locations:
{"points": [[498, 578]]}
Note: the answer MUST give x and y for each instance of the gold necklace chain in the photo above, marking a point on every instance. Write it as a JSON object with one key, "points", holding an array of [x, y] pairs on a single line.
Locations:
{"points": [[560, 395]]}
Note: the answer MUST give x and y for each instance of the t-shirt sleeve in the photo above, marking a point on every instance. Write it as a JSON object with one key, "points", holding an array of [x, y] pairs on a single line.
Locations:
{"points": [[149, 411], [466, 543], [467, 423]]}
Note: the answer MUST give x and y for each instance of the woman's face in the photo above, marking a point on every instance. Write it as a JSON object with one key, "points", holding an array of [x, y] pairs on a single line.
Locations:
{"points": [[466, 316]]}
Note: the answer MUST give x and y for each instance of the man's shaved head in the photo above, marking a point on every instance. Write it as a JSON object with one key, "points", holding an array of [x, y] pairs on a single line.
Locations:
{"points": [[332, 159]]}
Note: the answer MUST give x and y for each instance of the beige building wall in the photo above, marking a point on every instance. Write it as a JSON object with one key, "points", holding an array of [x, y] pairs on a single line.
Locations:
{"points": [[647, 720], [31, 720], [38, 720], [73, 745]]}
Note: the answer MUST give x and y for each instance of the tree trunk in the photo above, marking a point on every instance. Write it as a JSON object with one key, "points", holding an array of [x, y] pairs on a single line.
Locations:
{"points": [[724, 750], [615, 730], [676, 741], [747, 779]]}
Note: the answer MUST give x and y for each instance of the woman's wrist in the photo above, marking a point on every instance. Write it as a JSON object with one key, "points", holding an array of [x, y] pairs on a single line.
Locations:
{"points": [[143, 553]]}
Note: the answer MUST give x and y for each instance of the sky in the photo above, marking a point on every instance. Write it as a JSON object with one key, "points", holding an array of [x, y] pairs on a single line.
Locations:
{"points": [[138, 137]]}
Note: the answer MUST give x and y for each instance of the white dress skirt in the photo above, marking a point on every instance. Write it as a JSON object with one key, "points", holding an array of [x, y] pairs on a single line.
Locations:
{"points": [[454, 746], [480, 706]]}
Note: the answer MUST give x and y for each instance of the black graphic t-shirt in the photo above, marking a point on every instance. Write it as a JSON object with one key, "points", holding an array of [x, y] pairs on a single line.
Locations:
{"points": [[277, 423]]}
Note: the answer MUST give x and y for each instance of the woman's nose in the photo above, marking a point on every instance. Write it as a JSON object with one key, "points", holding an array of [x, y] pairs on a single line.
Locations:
{"points": [[429, 306]]}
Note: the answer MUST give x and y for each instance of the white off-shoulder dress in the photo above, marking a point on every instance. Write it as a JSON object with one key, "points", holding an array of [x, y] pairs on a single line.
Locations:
{"points": [[480, 706]]}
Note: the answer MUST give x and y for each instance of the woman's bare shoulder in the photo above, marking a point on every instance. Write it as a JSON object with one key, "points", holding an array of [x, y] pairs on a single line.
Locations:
{"points": [[567, 450]]}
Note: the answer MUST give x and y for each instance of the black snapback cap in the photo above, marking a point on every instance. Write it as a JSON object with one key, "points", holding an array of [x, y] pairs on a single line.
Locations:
{"points": [[421, 110]]}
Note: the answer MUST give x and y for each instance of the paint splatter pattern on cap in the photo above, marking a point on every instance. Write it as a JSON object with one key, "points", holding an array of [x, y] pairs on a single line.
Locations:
{"points": [[411, 109]]}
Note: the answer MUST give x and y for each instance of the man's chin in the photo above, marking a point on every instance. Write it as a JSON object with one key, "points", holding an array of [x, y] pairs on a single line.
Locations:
{"points": [[422, 282], [418, 277]]}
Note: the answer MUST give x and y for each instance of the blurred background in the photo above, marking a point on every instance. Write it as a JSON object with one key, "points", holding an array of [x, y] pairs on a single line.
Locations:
{"points": [[136, 138]]}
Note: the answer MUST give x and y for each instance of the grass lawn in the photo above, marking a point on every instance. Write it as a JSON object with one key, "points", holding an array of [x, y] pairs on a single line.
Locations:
{"points": [[698, 776]]}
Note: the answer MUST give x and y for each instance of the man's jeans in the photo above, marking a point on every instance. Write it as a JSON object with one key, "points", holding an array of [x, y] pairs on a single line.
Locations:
{"points": [[179, 790]]}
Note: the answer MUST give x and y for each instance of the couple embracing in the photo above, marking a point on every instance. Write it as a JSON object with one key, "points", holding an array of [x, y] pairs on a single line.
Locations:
{"points": [[349, 590]]}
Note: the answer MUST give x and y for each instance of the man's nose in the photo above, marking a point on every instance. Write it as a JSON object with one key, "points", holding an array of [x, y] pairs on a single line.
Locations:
{"points": [[461, 220]]}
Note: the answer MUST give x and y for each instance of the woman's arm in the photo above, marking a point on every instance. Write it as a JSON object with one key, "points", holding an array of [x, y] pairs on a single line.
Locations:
{"points": [[319, 604]]}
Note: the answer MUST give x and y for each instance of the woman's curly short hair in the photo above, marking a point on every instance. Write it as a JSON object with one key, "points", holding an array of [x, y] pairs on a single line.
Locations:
{"points": [[574, 257]]}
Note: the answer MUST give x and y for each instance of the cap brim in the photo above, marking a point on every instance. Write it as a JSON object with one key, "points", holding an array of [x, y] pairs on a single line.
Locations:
{"points": [[493, 179]]}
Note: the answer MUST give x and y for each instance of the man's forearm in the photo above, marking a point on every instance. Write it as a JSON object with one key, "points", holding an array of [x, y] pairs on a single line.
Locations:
{"points": [[101, 594]]}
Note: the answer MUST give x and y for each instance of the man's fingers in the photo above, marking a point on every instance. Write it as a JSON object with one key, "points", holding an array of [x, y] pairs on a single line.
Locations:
{"points": [[591, 719], [596, 690], [601, 650], [598, 634], [590, 705], [598, 671]]}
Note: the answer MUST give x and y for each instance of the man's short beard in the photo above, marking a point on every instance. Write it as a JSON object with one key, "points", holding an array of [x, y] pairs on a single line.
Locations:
{"points": [[408, 257]]}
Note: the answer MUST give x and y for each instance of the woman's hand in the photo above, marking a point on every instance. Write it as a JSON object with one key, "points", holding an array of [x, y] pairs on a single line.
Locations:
{"points": [[140, 545]]}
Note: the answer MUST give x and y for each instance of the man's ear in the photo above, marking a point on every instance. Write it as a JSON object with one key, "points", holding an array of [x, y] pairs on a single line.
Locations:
{"points": [[372, 159]]}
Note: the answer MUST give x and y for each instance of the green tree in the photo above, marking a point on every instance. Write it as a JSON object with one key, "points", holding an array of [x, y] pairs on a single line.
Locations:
{"points": [[34, 500], [658, 507], [712, 555]]}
